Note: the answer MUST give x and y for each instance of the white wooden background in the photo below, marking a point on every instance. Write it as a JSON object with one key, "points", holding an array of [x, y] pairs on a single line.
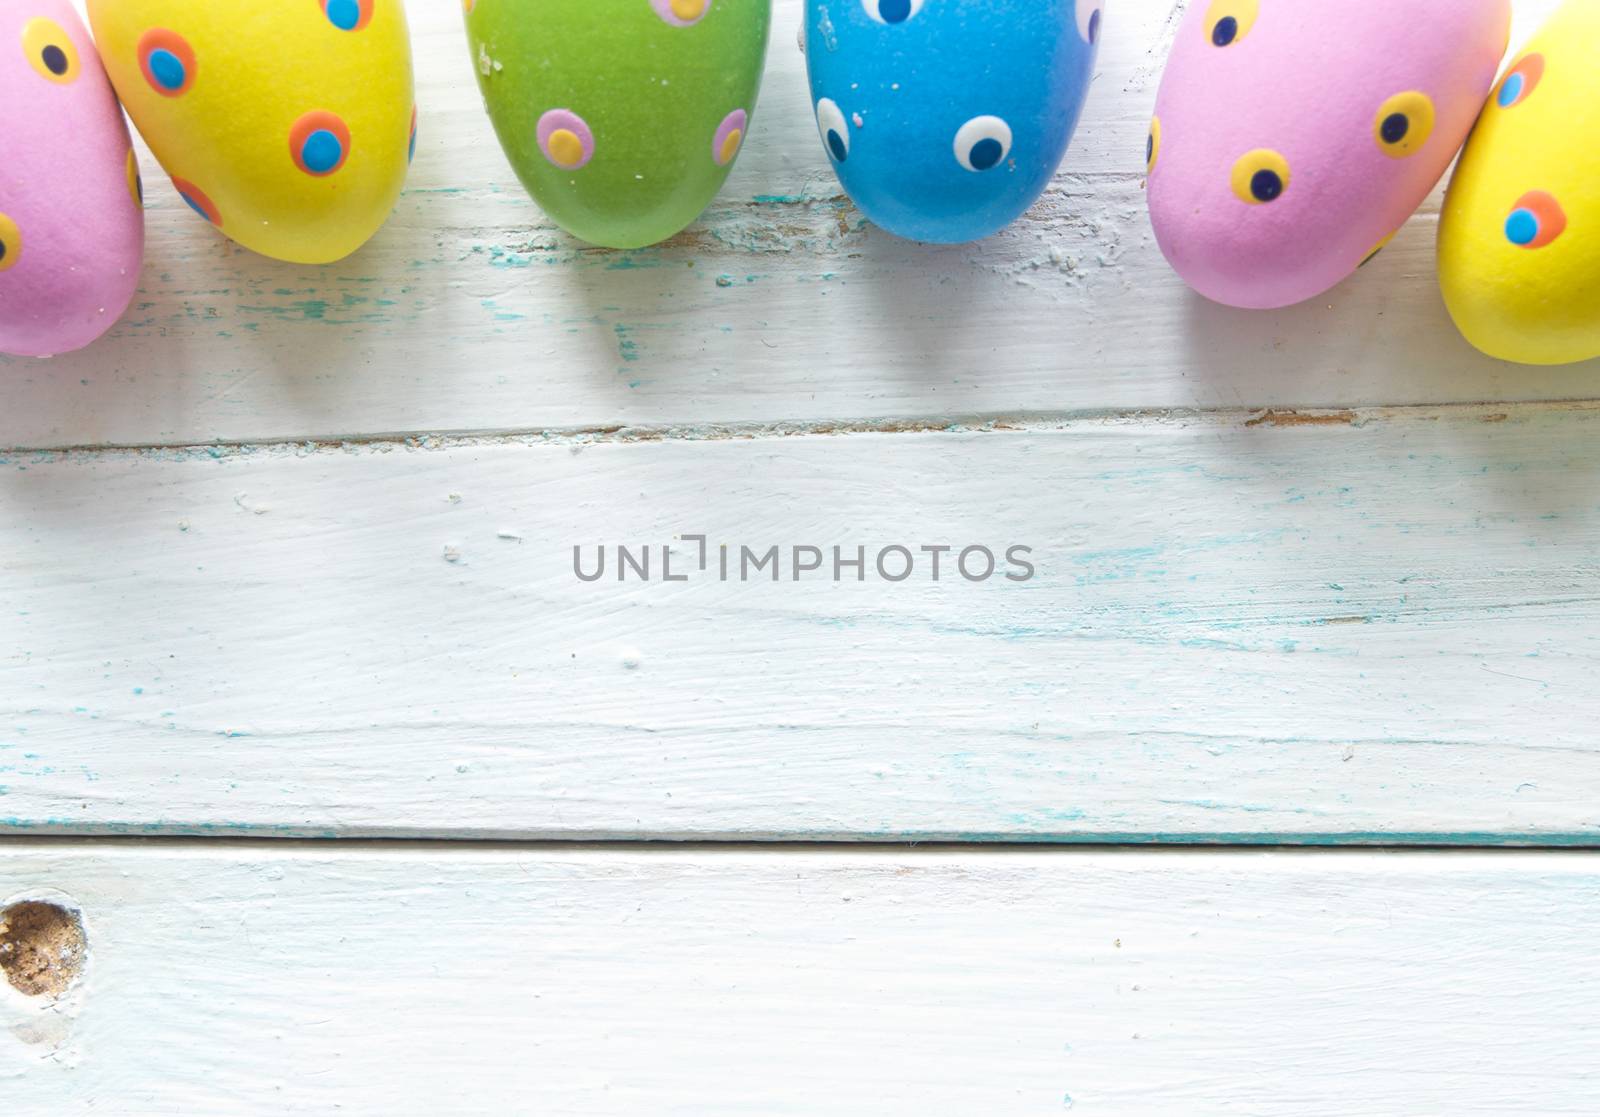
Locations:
{"points": [[288, 555]]}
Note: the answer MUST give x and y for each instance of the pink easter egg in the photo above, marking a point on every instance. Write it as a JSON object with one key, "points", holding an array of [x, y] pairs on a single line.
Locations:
{"points": [[71, 214], [1293, 138]]}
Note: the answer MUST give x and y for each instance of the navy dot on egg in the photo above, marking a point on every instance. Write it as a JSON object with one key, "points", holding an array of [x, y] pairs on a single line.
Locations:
{"points": [[3, 250], [986, 153], [894, 11], [55, 60], [1395, 127], [1266, 186], [836, 145], [1226, 30], [1094, 26]]}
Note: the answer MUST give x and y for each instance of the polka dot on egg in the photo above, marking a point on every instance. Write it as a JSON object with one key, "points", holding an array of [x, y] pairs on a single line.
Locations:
{"points": [[168, 62], [135, 183], [1376, 249], [681, 13], [348, 15], [50, 51], [730, 137], [411, 148], [1260, 177], [566, 139], [1228, 21], [982, 143], [1536, 220], [196, 199], [1521, 81], [10, 243], [1404, 124], [891, 12], [319, 143], [1091, 13]]}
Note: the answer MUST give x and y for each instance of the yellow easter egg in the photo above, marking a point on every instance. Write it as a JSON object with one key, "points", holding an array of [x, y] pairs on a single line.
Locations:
{"points": [[288, 125], [1519, 241]]}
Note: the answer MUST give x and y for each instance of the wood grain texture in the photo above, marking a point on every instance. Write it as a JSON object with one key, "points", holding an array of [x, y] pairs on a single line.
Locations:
{"points": [[237, 980], [1356, 626], [469, 312]]}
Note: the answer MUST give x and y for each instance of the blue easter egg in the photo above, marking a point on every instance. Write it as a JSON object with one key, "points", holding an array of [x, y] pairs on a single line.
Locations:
{"points": [[945, 119]]}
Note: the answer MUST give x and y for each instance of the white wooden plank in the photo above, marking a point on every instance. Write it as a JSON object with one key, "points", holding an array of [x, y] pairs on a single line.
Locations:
{"points": [[1346, 627], [469, 312], [241, 979]]}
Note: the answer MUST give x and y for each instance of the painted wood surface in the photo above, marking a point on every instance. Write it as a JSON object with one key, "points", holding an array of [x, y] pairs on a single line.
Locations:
{"points": [[282, 979], [469, 312], [1356, 626]]}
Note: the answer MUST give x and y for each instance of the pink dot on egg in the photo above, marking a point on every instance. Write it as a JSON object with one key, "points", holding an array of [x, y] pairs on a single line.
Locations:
{"points": [[730, 137], [565, 139]]}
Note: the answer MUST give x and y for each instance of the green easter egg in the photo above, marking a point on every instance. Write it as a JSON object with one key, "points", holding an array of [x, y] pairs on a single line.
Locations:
{"points": [[621, 117]]}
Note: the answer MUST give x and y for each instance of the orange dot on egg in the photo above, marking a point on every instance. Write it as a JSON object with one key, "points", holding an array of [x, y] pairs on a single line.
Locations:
{"points": [[689, 9], [196, 199], [167, 61], [730, 145]]}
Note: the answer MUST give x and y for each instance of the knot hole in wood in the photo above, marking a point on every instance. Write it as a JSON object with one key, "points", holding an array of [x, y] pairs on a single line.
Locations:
{"points": [[42, 947]]}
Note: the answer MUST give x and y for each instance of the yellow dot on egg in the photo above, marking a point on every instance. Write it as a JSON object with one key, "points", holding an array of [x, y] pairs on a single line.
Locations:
{"points": [[730, 146], [566, 148], [689, 9]]}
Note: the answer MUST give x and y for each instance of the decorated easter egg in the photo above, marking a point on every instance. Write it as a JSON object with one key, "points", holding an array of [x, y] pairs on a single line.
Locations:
{"points": [[622, 118], [288, 125], [1519, 242], [945, 119], [1293, 139], [71, 214]]}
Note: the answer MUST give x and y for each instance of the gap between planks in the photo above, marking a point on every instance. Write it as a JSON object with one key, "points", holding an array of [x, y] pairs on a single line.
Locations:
{"points": [[1397, 852], [1222, 418]]}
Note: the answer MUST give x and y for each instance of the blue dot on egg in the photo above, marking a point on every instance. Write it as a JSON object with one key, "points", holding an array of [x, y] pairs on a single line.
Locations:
{"points": [[194, 205], [895, 11], [344, 14], [1511, 90], [167, 68], [985, 154], [836, 145], [1522, 227], [322, 151]]}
